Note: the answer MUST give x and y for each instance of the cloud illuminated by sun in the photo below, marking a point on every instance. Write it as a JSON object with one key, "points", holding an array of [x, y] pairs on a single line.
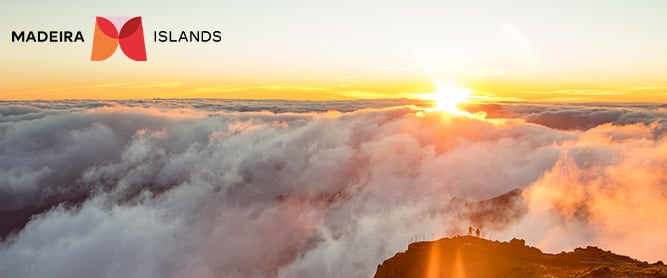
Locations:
{"points": [[447, 97]]}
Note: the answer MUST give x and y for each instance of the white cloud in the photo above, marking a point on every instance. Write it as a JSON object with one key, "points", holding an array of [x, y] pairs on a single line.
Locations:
{"points": [[159, 190]]}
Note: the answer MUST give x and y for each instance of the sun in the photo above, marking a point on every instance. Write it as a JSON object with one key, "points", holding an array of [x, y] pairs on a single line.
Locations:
{"points": [[447, 97]]}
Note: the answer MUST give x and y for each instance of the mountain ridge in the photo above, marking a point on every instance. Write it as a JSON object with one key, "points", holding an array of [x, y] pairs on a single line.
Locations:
{"points": [[468, 256]]}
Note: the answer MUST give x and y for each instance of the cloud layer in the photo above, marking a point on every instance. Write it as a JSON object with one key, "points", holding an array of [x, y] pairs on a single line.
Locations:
{"points": [[294, 189]]}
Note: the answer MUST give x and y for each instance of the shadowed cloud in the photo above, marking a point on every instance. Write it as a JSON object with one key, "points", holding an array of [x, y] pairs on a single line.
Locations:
{"points": [[200, 188]]}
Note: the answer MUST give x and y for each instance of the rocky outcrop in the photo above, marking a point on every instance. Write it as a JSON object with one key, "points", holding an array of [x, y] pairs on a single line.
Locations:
{"points": [[467, 256]]}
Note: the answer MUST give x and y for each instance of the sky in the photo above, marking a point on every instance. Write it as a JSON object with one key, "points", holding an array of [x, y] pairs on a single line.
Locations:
{"points": [[503, 50]]}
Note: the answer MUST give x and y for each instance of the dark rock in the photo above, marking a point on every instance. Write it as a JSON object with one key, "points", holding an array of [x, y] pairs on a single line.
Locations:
{"points": [[467, 256]]}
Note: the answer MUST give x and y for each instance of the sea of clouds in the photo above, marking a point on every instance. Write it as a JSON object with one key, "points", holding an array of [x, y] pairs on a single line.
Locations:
{"points": [[230, 188]]}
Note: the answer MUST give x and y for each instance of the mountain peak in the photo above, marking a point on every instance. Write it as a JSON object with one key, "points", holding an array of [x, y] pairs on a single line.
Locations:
{"points": [[467, 256]]}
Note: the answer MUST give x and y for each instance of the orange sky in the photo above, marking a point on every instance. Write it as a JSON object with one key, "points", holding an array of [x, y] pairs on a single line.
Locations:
{"points": [[566, 51]]}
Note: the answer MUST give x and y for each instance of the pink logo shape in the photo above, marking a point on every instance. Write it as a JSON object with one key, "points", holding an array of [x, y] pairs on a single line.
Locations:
{"points": [[107, 38]]}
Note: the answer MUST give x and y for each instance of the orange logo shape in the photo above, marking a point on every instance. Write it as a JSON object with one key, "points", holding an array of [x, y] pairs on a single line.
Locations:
{"points": [[107, 38]]}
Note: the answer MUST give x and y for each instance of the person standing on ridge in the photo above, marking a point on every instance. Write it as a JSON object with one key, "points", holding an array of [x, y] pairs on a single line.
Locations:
{"points": [[470, 230], [477, 232]]}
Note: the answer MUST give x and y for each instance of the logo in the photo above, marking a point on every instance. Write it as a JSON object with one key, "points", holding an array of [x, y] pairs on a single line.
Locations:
{"points": [[108, 35], [113, 31]]}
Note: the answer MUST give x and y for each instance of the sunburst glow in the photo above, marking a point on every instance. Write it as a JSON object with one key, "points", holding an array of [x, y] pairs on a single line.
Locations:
{"points": [[448, 96]]}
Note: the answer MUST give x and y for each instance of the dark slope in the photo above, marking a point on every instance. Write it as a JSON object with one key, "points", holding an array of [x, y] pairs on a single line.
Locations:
{"points": [[467, 256]]}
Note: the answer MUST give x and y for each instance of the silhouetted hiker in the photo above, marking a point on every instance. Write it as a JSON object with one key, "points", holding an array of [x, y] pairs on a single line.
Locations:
{"points": [[470, 230], [477, 232]]}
